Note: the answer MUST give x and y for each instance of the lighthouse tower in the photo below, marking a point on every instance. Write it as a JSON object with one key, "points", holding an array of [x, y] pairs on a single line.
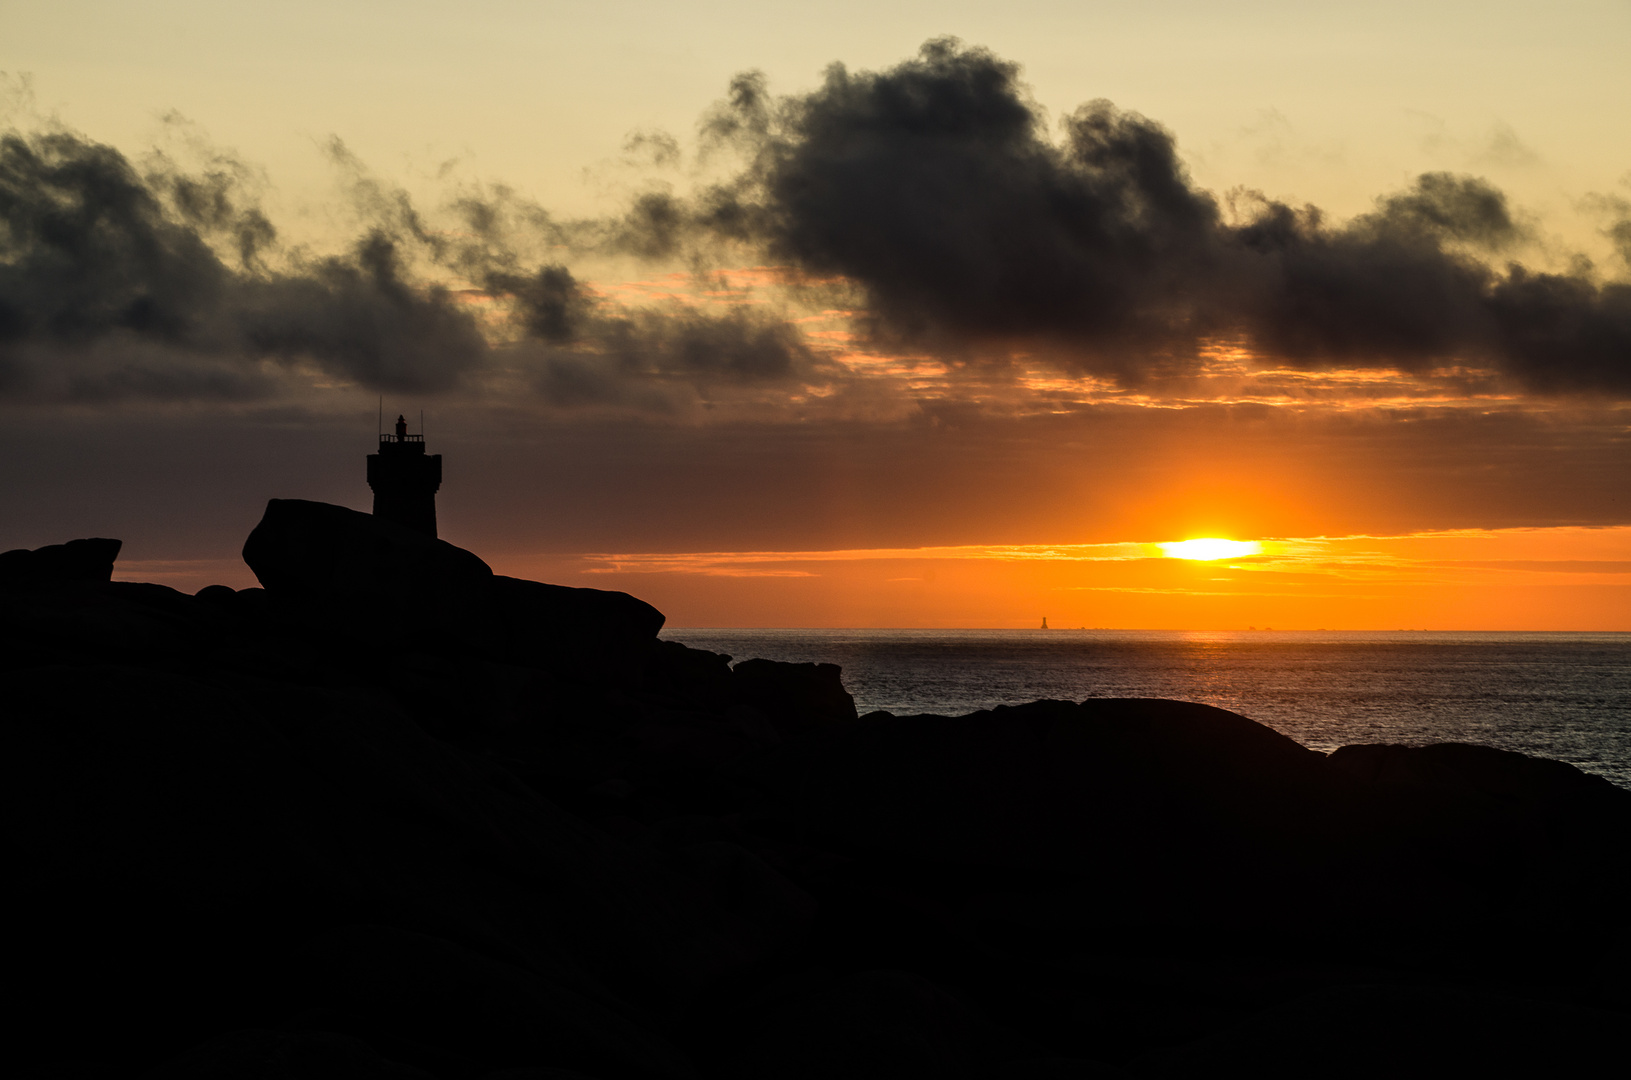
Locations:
{"points": [[405, 479]]}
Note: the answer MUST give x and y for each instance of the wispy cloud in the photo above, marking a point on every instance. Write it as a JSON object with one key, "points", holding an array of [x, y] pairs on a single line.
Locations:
{"points": [[739, 562], [1459, 554]]}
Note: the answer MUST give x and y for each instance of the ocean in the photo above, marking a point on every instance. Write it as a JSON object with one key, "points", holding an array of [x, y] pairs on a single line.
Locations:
{"points": [[1557, 695]]}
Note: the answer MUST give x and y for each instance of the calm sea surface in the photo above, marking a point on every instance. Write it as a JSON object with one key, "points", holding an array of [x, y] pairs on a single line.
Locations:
{"points": [[1564, 696]]}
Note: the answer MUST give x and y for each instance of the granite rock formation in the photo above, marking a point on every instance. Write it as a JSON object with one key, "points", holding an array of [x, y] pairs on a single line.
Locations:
{"points": [[393, 815], [58, 564]]}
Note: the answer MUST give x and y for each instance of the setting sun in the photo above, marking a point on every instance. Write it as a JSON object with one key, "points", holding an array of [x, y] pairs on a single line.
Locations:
{"points": [[1209, 548]]}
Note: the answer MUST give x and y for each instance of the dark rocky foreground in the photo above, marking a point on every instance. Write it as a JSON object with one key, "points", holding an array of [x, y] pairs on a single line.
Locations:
{"points": [[396, 816]]}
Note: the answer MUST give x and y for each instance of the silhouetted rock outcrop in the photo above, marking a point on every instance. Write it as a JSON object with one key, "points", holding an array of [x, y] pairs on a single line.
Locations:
{"points": [[876, 1025], [393, 815], [395, 589], [583, 632], [438, 1004], [261, 1054], [796, 697], [1052, 787], [312, 549], [58, 564], [1362, 1031]]}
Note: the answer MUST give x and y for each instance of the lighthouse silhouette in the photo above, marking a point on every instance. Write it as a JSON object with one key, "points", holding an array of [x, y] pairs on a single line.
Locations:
{"points": [[405, 479]]}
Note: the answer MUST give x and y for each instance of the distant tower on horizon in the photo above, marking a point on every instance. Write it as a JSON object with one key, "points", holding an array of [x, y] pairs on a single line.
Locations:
{"points": [[405, 479]]}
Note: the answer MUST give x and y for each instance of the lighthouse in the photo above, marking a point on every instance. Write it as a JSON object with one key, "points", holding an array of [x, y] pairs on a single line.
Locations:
{"points": [[405, 479]]}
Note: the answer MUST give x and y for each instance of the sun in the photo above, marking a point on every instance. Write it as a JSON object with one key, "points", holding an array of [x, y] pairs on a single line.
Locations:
{"points": [[1209, 548]]}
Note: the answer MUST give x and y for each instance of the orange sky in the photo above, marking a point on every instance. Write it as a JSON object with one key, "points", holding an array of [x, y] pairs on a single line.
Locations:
{"points": [[1505, 579], [1534, 579], [945, 334]]}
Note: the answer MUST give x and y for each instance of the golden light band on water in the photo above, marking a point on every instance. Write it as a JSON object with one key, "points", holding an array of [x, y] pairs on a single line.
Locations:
{"points": [[1210, 548]]}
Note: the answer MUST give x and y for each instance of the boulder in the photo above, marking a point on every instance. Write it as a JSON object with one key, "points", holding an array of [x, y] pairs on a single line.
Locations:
{"points": [[1518, 779], [1529, 831], [456, 1010], [690, 678], [120, 622], [771, 909], [585, 634], [393, 589], [179, 835], [796, 697], [267, 1054], [223, 595], [1050, 787], [1363, 1031], [58, 564], [1056, 1068], [318, 551], [883, 1024]]}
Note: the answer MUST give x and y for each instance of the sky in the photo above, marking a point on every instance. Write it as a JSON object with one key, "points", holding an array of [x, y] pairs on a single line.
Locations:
{"points": [[844, 315]]}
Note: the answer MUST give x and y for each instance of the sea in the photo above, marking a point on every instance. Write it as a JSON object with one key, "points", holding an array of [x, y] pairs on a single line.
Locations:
{"points": [[1557, 695]]}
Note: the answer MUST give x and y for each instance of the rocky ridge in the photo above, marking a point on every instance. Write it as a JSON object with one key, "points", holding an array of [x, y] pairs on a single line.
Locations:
{"points": [[394, 815]]}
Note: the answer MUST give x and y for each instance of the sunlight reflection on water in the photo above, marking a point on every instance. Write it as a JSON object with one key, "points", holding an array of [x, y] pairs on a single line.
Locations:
{"points": [[1564, 696]]}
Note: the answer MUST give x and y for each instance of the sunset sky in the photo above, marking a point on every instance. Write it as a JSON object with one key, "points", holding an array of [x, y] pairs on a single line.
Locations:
{"points": [[847, 314]]}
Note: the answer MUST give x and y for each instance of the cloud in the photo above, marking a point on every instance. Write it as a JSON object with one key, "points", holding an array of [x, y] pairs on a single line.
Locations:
{"points": [[161, 284], [1615, 209], [645, 357], [89, 249], [357, 316], [600, 352], [95, 254], [936, 188], [932, 202], [933, 187], [1504, 149]]}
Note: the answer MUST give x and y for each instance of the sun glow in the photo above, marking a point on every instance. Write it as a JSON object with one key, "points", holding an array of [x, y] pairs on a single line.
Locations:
{"points": [[1210, 548]]}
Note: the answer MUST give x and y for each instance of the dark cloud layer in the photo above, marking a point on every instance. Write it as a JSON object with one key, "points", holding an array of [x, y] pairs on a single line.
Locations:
{"points": [[610, 357], [92, 253], [360, 317], [933, 186], [637, 357], [936, 188], [933, 198]]}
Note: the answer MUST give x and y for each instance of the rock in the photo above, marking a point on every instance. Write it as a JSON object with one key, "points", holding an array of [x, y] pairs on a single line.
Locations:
{"points": [[330, 553], [584, 634], [690, 678], [1387, 1030], [773, 910], [1482, 770], [1055, 1068], [106, 622], [1527, 832], [456, 1010], [223, 595], [392, 589], [395, 815], [883, 1024], [59, 564], [262, 1054], [1108, 787], [180, 835], [796, 697]]}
